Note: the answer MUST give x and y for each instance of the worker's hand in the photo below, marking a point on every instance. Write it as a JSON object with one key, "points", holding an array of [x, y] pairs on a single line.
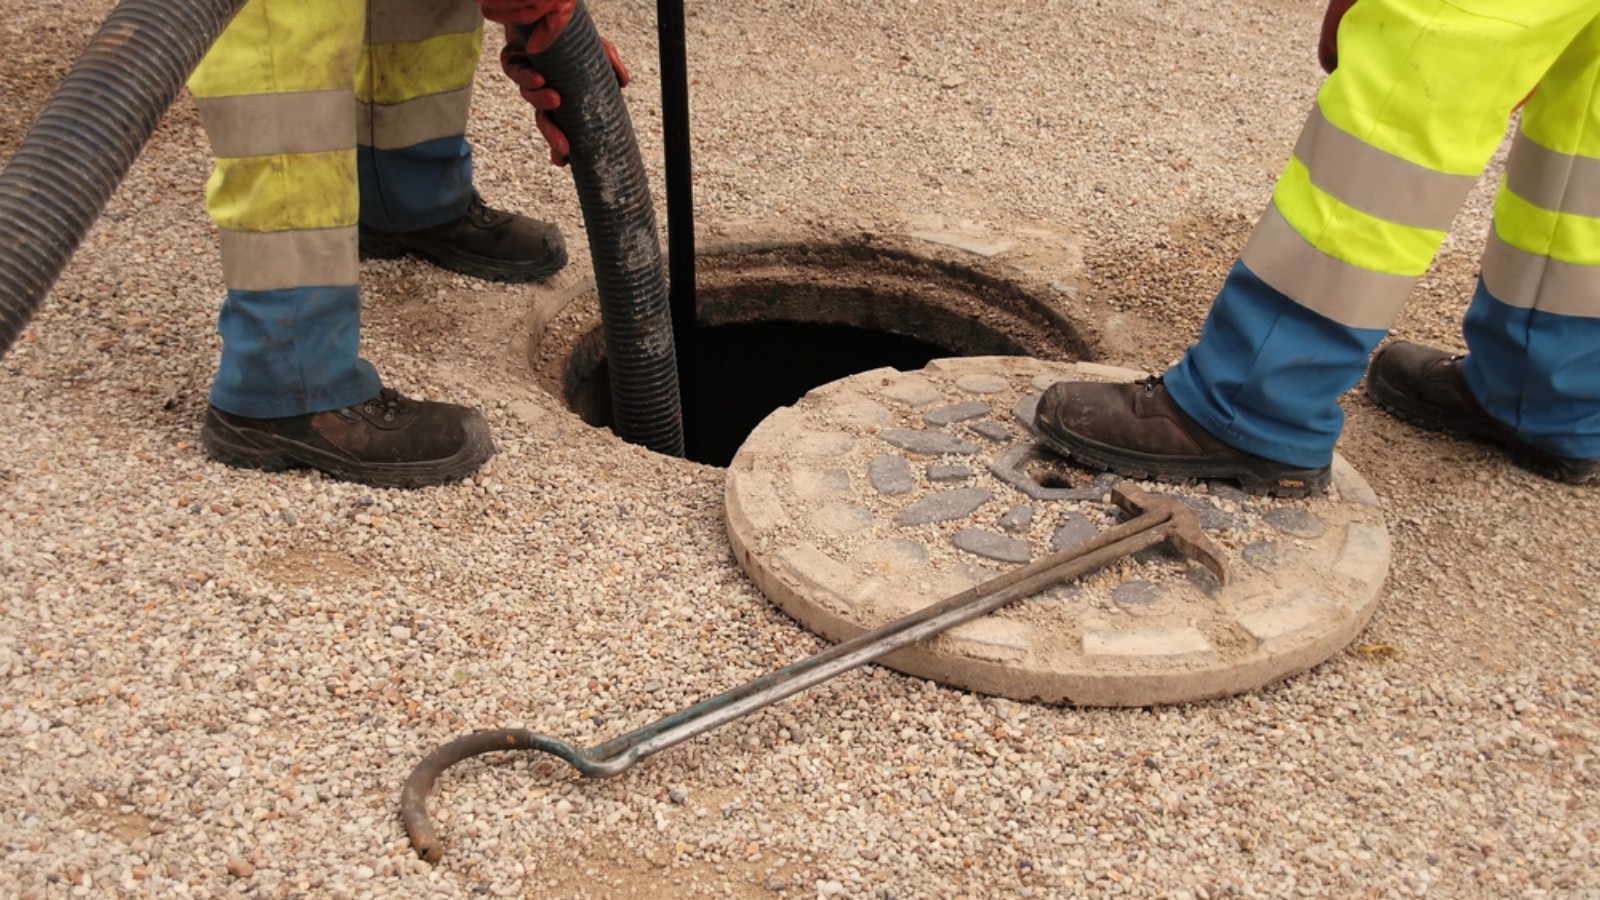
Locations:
{"points": [[544, 20], [1328, 46], [518, 66]]}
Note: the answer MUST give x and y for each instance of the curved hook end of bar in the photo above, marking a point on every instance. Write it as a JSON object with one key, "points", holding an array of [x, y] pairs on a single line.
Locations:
{"points": [[419, 784]]}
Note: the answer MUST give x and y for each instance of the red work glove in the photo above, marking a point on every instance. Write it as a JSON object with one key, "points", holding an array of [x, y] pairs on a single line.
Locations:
{"points": [[518, 66], [1328, 45], [548, 18]]}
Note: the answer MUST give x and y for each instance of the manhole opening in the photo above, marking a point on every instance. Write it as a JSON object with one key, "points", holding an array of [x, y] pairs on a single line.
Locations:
{"points": [[777, 322]]}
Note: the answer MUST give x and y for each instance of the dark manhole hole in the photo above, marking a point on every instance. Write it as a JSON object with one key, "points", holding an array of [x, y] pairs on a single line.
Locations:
{"points": [[776, 322]]}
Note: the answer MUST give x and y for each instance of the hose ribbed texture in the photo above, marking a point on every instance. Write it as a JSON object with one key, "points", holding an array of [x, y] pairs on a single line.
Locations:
{"points": [[621, 224], [87, 138]]}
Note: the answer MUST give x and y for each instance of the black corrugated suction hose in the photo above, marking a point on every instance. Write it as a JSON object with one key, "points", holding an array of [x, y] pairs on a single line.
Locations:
{"points": [[621, 224], [87, 138]]}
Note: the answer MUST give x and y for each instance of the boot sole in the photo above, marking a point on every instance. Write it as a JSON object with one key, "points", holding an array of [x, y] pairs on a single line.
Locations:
{"points": [[1261, 478], [250, 449], [1400, 405], [376, 246]]}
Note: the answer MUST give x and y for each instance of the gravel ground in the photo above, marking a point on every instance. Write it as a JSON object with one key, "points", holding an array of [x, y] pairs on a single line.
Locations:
{"points": [[216, 681]]}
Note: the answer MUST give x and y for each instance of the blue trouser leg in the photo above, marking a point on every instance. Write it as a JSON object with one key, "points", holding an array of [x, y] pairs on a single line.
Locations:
{"points": [[1267, 373], [1536, 372], [290, 352], [415, 187]]}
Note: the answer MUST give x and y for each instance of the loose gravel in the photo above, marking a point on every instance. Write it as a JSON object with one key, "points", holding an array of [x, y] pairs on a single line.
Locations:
{"points": [[215, 681]]}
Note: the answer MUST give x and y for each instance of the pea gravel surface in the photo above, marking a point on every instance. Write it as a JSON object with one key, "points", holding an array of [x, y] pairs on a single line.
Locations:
{"points": [[215, 681]]}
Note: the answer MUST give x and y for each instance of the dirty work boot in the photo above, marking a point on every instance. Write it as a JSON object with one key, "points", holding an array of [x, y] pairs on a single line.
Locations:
{"points": [[1136, 430], [484, 243], [1425, 387], [388, 441]]}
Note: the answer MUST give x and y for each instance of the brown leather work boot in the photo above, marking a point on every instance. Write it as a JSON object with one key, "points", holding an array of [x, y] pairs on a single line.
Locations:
{"points": [[1425, 387], [484, 243], [1138, 431], [388, 441]]}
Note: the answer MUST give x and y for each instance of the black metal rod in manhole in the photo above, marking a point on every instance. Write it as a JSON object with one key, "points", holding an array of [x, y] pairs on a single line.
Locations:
{"points": [[670, 33]]}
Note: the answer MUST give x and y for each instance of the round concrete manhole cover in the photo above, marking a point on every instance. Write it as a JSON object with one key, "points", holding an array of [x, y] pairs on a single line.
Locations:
{"points": [[887, 491]]}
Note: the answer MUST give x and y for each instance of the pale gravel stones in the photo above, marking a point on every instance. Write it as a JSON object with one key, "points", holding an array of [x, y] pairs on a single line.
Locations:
{"points": [[1451, 753], [1283, 610]]}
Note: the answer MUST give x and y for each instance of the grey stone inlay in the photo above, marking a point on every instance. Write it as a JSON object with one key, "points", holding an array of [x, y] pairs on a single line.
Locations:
{"points": [[1210, 516], [1017, 518], [975, 573], [1138, 597], [993, 431], [991, 545], [913, 390], [944, 506], [891, 475], [932, 443], [982, 384], [826, 443], [894, 554], [1266, 555], [862, 412], [839, 519], [1160, 554], [1225, 491], [1011, 467], [959, 412], [1027, 410], [1297, 521], [945, 473], [1075, 529], [821, 484]]}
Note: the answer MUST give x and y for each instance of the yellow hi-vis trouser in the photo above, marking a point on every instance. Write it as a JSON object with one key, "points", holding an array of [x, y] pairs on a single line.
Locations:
{"points": [[323, 114], [1401, 132]]}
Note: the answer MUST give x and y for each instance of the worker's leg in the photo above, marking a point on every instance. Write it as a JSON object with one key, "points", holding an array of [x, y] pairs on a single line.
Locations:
{"points": [[1399, 135], [1534, 325], [275, 96], [415, 87]]}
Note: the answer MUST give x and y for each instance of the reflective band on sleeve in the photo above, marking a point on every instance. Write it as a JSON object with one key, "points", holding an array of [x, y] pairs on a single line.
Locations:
{"points": [[1529, 281], [279, 260], [410, 21], [415, 121], [1553, 181], [395, 73], [264, 124], [285, 192], [1376, 182], [1347, 294]]}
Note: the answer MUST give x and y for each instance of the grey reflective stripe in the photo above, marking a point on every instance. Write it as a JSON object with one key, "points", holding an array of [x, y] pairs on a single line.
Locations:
{"points": [[391, 127], [1531, 281], [1350, 295], [279, 260], [1557, 182], [267, 124], [407, 21], [1378, 183]]}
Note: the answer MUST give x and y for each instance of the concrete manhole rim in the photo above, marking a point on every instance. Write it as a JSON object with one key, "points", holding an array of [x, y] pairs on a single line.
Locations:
{"points": [[1295, 630], [985, 300]]}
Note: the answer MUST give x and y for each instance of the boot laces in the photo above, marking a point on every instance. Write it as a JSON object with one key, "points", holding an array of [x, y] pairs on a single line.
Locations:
{"points": [[388, 403], [483, 214], [1150, 382]]}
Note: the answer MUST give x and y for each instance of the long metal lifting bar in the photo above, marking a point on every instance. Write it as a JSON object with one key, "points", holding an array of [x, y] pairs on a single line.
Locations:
{"points": [[1159, 519]]}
